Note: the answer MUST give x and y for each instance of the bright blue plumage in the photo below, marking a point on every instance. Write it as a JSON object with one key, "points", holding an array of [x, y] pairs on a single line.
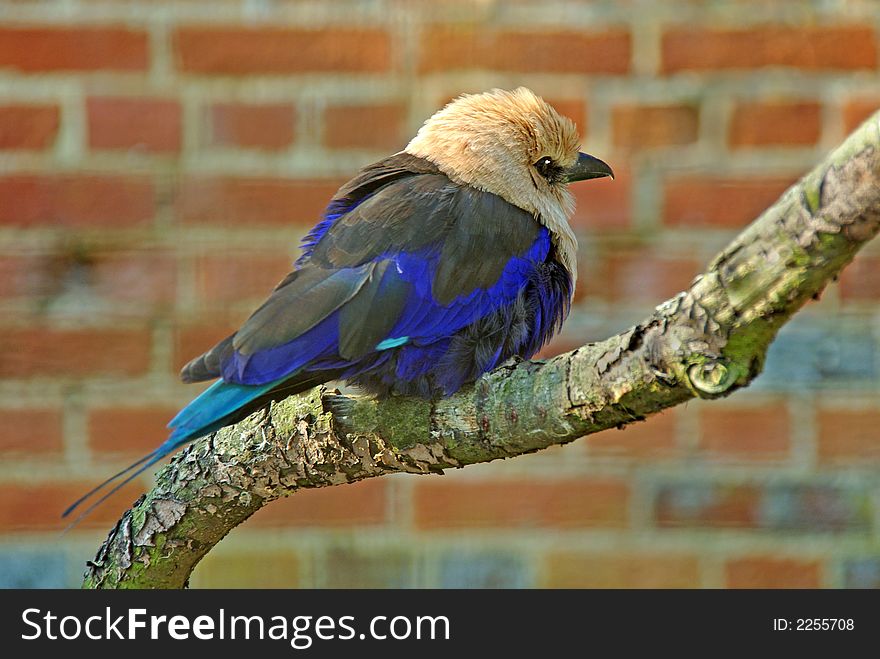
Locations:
{"points": [[424, 322], [219, 400], [283, 360], [389, 343]]}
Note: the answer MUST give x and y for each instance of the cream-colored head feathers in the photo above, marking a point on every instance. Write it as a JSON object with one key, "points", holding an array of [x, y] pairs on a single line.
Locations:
{"points": [[493, 141]]}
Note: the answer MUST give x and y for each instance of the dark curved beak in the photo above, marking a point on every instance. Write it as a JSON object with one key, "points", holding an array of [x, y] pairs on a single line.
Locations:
{"points": [[587, 167]]}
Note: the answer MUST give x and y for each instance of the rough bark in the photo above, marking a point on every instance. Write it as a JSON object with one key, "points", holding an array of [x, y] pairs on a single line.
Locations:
{"points": [[705, 342]]}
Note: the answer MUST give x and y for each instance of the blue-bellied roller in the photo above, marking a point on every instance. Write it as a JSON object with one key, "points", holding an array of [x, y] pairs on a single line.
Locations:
{"points": [[427, 269]]}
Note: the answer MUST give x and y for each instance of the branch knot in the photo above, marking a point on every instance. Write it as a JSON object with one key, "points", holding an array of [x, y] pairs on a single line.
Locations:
{"points": [[712, 378]]}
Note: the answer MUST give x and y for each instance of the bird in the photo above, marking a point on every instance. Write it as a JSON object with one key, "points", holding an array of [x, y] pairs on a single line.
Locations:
{"points": [[428, 269]]}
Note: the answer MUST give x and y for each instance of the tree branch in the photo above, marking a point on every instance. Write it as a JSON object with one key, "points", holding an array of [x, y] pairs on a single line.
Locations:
{"points": [[705, 342]]}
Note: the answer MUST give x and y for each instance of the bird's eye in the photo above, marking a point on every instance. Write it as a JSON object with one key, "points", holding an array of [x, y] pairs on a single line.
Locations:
{"points": [[543, 166], [548, 169]]}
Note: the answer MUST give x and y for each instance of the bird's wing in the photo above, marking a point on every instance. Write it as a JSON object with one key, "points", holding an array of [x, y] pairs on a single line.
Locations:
{"points": [[208, 366], [415, 260]]}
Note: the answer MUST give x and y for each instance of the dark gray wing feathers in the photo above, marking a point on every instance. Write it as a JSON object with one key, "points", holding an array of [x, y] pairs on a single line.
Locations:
{"points": [[403, 204]]}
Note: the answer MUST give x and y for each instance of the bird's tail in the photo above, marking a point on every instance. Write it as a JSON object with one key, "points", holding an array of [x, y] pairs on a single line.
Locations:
{"points": [[219, 405]]}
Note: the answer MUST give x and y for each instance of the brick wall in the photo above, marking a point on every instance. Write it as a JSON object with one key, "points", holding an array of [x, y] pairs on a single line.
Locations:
{"points": [[159, 161]]}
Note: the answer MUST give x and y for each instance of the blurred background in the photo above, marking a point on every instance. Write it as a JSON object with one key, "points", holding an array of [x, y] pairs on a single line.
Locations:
{"points": [[160, 160]]}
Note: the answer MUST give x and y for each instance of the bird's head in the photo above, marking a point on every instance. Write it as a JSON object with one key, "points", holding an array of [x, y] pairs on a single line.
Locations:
{"points": [[513, 144]]}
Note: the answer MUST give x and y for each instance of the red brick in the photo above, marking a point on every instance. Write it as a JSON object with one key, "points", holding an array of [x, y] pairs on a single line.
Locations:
{"points": [[849, 436], [24, 275], [124, 276], [192, 340], [39, 507], [638, 127], [82, 352], [239, 51], [365, 126], [604, 204], [860, 280], [152, 125], [31, 127], [251, 126], [775, 124], [31, 431], [235, 277], [844, 47], [736, 506], [247, 201], [769, 572], [650, 438], [76, 201], [616, 570], [561, 504], [43, 49], [638, 275], [128, 430], [811, 507], [857, 110], [449, 47], [121, 276], [14, 277], [750, 433], [705, 201], [359, 504]]}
